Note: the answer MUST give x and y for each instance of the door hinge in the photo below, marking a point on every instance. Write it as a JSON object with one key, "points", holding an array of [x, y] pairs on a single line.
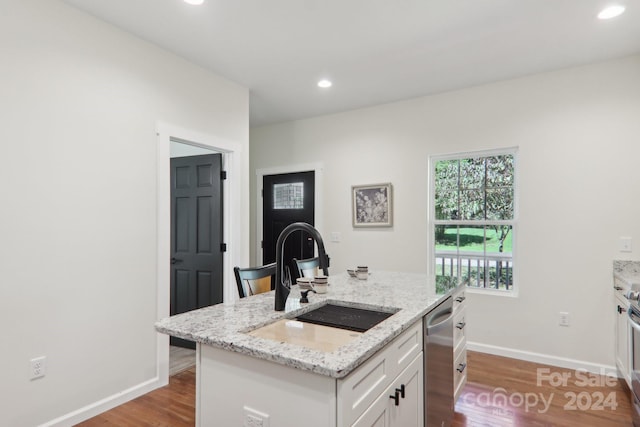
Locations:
{"points": [[261, 244], [223, 247], [223, 174], [262, 192]]}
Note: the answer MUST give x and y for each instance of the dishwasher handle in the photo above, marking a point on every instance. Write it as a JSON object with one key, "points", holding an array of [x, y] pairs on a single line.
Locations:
{"points": [[436, 322], [634, 319]]}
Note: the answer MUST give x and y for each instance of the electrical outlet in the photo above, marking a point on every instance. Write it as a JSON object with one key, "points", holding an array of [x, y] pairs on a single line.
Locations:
{"points": [[564, 318], [253, 418], [252, 421], [38, 367]]}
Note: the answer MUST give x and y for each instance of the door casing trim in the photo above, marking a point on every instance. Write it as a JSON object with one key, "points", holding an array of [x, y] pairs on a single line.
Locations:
{"points": [[318, 180]]}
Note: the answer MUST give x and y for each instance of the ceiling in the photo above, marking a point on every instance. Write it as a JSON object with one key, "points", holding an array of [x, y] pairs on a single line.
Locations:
{"points": [[374, 51]]}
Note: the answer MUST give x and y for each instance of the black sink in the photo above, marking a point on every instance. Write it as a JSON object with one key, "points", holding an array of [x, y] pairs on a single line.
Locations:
{"points": [[350, 318]]}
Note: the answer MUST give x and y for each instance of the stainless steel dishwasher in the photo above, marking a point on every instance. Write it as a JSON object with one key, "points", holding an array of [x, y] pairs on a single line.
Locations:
{"points": [[438, 365]]}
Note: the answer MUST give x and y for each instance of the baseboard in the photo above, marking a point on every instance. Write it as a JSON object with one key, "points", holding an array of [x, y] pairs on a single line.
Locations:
{"points": [[544, 359], [105, 404]]}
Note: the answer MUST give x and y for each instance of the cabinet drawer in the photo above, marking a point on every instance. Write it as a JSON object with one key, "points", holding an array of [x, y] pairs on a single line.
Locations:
{"points": [[459, 373], [362, 387], [459, 299], [461, 348], [459, 328]]}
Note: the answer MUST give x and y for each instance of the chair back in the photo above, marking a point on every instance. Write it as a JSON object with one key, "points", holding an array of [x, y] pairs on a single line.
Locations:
{"points": [[255, 280], [307, 267]]}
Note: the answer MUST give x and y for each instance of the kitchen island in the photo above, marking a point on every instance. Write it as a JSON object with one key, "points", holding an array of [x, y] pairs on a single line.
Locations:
{"points": [[244, 379]]}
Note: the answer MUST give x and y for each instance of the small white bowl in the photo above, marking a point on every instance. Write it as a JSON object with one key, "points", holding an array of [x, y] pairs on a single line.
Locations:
{"points": [[320, 288]]}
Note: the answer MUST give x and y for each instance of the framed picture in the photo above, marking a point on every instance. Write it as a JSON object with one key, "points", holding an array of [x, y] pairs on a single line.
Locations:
{"points": [[372, 205]]}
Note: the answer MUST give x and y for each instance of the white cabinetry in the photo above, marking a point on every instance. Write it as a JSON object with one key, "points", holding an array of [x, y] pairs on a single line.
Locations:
{"points": [[623, 331], [401, 404], [365, 395], [234, 389], [459, 342]]}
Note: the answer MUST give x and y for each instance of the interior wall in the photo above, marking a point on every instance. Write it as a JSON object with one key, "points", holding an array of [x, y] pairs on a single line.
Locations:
{"points": [[577, 132], [80, 101]]}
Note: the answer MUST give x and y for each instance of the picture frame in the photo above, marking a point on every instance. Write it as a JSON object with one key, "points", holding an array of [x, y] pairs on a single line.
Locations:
{"points": [[372, 205]]}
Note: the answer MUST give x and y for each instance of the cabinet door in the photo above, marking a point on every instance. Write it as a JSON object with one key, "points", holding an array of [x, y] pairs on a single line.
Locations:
{"points": [[377, 415], [409, 412], [622, 338], [384, 412]]}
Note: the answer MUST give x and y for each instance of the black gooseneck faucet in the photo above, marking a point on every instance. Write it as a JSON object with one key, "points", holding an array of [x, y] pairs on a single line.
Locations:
{"points": [[283, 279]]}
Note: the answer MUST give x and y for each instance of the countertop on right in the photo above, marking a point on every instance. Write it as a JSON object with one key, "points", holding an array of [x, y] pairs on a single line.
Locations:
{"points": [[626, 274]]}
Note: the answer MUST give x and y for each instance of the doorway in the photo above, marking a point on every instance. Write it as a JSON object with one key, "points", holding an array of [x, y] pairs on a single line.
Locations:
{"points": [[233, 162]]}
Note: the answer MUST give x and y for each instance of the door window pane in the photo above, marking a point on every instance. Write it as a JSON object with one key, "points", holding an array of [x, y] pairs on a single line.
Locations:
{"points": [[288, 196]]}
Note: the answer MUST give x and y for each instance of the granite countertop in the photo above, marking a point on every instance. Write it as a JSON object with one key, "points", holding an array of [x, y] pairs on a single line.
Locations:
{"points": [[626, 274], [226, 325]]}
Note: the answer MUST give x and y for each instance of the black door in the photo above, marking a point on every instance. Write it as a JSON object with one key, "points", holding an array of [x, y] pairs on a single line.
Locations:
{"points": [[196, 234], [287, 198]]}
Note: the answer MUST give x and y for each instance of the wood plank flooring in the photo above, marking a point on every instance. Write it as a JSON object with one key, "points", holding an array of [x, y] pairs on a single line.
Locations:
{"points": [[492, 380], [563, 397], [169, 406]]}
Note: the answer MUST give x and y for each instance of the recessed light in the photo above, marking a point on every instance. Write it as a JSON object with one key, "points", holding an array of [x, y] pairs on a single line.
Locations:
{"points": [[611, 12], [325, 83], [194, 2]]}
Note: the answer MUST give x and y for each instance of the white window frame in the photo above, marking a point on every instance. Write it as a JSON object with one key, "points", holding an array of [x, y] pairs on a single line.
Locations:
{"points": [[431, 252]]}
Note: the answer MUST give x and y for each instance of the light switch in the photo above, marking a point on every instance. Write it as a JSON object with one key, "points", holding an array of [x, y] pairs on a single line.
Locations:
{"points": [[336, 236], [625, 244]]}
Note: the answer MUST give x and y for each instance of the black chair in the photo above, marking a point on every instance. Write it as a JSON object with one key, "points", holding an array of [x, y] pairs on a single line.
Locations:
{"points": [[255, 280], [307, 267]]}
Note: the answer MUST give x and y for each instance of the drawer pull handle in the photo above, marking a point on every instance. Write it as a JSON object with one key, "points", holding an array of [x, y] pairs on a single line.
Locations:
{"points": [[461, 325], [621, 310], [401, 390], [396, 398], [461, 367], [460, 299], [617, 288]]}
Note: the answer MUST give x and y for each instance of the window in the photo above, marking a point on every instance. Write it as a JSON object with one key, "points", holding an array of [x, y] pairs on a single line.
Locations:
{"points": [[288, 196], [473, 199]]}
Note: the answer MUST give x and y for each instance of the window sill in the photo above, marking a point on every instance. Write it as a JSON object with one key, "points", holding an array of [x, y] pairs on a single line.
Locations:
{"points": [[492, 292]]}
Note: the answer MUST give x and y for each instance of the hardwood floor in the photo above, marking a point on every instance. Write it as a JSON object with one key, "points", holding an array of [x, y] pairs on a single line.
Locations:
{"points": [[499, 392], [170, 406], [563, 397]]}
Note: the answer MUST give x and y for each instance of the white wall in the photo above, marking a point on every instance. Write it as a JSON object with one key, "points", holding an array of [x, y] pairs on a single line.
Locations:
{"points": [[578, 133], [79, 103]]}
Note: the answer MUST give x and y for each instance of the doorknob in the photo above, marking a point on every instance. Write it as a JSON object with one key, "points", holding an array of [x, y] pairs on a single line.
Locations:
{"points": [[175, 260]]}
